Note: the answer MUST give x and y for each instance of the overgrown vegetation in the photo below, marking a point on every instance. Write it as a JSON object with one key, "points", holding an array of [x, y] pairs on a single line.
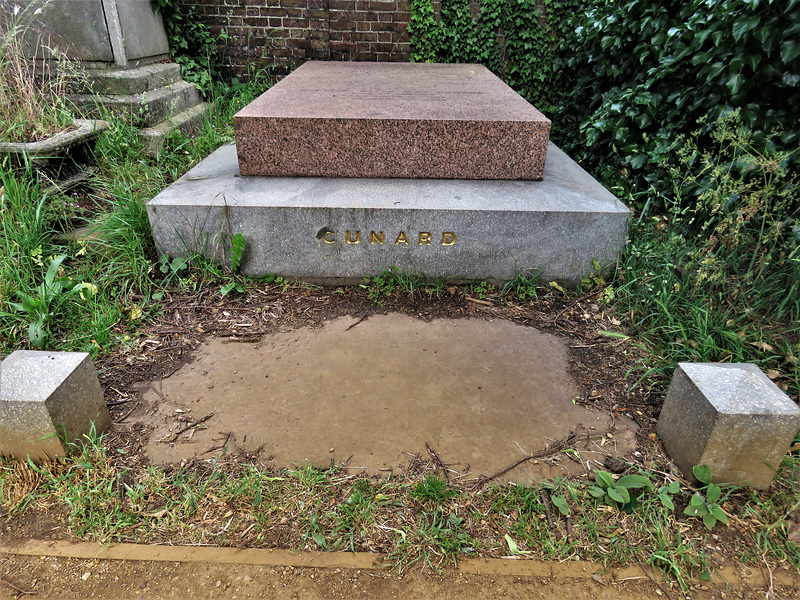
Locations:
{"points": [[87, 292], [689, 112], [33, 104]]}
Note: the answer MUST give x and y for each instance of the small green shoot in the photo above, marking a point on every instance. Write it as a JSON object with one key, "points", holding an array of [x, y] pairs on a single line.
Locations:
{"points": [[706, 506], [665, 493], [617, 493]]}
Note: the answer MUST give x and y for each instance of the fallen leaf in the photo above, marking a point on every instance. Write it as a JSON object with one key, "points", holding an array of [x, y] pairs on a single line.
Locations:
{"points": [[774, 374], [136, 313], [762, 346], [554, 284], [612, 334], [512, 546]]}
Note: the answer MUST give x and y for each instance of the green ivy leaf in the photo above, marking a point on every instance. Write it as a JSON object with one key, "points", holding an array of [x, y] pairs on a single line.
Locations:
{"points": [[744, 24], [790, 49], [735, 83]]}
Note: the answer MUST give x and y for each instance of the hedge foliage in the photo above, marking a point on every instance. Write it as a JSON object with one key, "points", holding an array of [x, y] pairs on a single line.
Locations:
{"points": [[623, 80]]}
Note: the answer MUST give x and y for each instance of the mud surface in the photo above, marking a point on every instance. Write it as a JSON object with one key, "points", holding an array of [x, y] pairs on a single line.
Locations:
{"points": [[372, 392]]}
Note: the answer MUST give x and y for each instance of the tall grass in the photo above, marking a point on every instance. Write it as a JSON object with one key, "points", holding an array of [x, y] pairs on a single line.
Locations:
{"points": [[717, 278], [33, 103], [116, 261]]}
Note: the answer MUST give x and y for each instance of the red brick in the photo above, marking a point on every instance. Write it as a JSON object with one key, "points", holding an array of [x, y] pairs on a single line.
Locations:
{"points": [[343, 25], [383, 26], [291, 23]]}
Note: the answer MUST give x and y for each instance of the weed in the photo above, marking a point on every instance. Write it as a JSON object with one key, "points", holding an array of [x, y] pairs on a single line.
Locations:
{"points": [[432, 489], [706, 506], [482, 289], [33, 102], [380, 286], [617, 493], [523, 286]]}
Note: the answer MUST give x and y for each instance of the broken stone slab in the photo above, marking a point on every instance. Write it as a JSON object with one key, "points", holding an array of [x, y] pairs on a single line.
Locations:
{"points": [[48, 400], [410, 120], [731, 417]]}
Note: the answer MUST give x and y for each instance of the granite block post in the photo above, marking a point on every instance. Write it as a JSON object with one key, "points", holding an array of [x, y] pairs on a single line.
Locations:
{"points": [[731, 417], [48, 400]]}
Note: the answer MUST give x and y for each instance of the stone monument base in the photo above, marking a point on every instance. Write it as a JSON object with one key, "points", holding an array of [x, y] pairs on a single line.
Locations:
{"points": [[341, 230]]}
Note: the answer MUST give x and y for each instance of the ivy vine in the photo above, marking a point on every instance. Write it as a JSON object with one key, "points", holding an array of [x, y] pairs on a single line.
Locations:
{"points": [[624, 81]]}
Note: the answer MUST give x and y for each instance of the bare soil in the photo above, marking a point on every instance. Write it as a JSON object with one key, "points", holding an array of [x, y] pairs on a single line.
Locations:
{"points": [[371, 392], [333, 575]]}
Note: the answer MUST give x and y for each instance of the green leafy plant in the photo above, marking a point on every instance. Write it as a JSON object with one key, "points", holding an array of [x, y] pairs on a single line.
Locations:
{"points": [[706, 506], [193, 45], [642, 72], [380, 286], [617, 493], [482, 289], [666, 492], [515, 39], [37, 306]]}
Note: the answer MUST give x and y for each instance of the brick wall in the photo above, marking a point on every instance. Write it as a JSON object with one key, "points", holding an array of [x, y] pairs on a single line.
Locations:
{"points": [[284, 33]]}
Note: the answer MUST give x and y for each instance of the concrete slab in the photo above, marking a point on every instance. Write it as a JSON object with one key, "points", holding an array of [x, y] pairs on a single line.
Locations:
{"points": [[730, 417], [481, 393], [342, 230], [418, 120], [48, 400]]}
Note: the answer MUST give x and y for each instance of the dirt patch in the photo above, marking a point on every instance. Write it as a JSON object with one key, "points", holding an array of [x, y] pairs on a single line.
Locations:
{"points": [[50, 575], [371, 392]]}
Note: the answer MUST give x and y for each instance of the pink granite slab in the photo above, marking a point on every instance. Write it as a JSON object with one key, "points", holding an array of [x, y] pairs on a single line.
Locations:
{"points": [[418, 120]]}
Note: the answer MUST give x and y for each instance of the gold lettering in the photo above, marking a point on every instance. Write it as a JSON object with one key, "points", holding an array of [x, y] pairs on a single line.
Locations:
{"points": [[376, 238], [349, 241], [328, 240], [424, 238], [448, 238], [401, 239]]}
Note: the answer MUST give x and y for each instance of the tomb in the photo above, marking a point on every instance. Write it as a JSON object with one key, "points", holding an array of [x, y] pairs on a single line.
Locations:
{"points": [[439, 170]]}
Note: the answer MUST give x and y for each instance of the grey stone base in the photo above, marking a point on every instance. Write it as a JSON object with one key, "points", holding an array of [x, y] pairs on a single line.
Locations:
{"points": [[154, 137], [342, 230], [48, 400], [730, 417]]}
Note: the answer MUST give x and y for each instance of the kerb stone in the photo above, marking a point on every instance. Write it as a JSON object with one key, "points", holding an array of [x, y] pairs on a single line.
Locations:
{"points": [[48, 400], [731, 417], [341, 230]]}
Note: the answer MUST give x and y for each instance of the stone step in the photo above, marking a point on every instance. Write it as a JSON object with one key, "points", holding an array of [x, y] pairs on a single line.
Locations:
{"points": [[132, 81], [146, 109], [154, 137], [341, 230], [419, 120]]}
